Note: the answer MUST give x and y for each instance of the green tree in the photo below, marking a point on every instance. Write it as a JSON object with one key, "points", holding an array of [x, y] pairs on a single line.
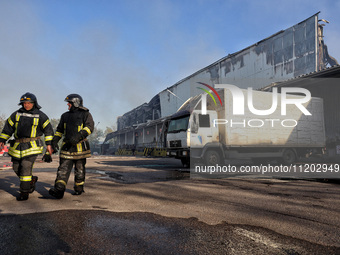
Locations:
{"points": [[95, 139], [109, 130], [2, 121], [54, 123]]}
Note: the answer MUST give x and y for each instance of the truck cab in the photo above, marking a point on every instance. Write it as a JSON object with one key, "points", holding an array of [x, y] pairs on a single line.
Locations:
{"points": [[190, 132], [178, 137]]}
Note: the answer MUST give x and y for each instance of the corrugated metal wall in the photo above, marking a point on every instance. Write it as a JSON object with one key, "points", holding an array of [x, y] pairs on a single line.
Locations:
{"points": [[282, 56]]}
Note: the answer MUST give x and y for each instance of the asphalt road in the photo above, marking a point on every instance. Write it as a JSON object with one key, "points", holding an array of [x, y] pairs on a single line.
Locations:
{"points": [[152, 206]]}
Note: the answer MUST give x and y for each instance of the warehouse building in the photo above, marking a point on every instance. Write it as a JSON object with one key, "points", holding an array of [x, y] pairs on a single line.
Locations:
{"points": [[283, 59]]}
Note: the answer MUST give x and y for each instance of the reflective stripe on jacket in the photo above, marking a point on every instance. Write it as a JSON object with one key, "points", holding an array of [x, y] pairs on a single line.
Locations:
{"points": [[75, 123], [23, 125]]}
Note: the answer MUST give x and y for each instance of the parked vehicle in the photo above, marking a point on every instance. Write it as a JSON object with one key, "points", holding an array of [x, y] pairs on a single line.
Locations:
{"points": [[221, 134], [4, 152]]}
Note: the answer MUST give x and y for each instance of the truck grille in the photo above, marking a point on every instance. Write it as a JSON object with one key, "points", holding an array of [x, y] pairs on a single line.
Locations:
{"points": [[176, 143]]}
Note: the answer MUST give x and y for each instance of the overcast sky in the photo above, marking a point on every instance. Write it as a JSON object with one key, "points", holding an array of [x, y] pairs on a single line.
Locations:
{"points": [[118, 54]]}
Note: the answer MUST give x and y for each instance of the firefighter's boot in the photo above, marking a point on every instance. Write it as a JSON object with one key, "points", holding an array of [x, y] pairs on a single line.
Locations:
{"points": [[22, 196], [32, 183], [56, 193], [78, 189], [58, 190]]}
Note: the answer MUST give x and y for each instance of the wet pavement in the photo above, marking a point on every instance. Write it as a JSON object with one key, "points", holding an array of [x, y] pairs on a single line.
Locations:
{"points": [[100, 232], [151, 206]]}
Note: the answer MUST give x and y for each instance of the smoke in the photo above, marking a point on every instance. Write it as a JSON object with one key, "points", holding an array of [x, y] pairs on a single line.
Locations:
{"points": [[93, 62], [120, 54], [114, 69]]}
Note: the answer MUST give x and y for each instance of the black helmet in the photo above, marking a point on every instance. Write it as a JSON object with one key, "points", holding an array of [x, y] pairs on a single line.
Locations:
{"points": [[75, 99], [29, 97]]}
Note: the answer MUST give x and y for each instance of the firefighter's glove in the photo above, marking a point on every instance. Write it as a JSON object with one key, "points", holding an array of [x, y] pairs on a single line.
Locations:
{"points": [[47, 158], [55, 146], [76, 138]]}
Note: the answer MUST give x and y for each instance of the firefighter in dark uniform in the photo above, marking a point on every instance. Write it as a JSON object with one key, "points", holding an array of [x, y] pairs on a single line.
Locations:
{"points": [[74, 126], [27, 125]]}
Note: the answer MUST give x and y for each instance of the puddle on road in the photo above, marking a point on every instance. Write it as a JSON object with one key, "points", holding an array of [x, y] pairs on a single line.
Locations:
{"points": [[141, 177], [150, 166]]}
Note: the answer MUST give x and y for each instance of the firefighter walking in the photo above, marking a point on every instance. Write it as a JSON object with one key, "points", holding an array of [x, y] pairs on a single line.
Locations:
{"points": [[74, 126], [27, 125]]}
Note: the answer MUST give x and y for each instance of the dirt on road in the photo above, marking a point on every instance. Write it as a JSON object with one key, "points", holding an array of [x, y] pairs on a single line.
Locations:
{"points": [[152, 206]]}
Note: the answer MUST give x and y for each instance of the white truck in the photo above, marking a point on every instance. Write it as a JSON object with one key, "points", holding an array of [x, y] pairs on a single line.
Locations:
{"points": [[271, 126]]}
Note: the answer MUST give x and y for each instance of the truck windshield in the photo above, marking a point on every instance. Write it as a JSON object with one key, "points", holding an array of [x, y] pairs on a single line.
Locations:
{"points": [[178, 125]]}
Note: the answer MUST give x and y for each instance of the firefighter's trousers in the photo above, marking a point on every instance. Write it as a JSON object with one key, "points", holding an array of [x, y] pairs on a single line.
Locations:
{"points": [[64, 171], [23, 169]]}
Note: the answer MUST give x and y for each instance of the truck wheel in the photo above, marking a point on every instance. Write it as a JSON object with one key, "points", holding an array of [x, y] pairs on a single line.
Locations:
{"points": [[185, 162], [288, 157], [212, 158]]}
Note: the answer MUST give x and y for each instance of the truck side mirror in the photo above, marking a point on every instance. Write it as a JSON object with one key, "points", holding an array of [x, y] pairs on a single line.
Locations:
{"points": [[194, 124]]}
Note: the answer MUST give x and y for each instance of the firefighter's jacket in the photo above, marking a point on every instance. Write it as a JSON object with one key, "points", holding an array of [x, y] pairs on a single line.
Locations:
{"points": [[74, 126], [27, 127]]}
